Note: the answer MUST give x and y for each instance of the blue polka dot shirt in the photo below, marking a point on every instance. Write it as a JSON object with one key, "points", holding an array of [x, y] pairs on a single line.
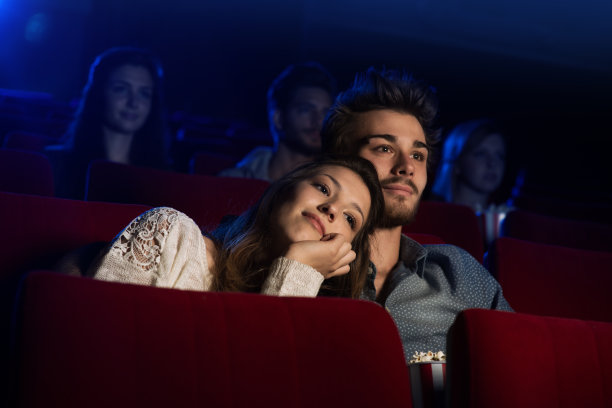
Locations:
{"points": [[428, 287]]}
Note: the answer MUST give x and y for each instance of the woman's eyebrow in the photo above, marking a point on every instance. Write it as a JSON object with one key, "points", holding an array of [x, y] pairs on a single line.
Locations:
{"points": [[339, 187]]}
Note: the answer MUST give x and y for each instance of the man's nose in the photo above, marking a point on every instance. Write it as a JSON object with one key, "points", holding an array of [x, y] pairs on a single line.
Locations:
{"points": [[404, 165]]}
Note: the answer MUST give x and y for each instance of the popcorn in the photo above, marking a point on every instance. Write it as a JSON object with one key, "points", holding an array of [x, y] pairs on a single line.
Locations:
{"points": [[420, 357]]}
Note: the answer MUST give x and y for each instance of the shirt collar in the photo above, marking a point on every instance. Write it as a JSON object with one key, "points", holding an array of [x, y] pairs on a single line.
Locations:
{"points": [[412, 253]]}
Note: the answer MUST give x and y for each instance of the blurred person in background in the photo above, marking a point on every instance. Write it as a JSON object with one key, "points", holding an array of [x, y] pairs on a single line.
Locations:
{"points": [[471, 172], [298, 100], [120, 118]]}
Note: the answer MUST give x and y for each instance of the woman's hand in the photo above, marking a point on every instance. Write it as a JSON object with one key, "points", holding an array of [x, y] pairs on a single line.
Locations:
{"points": [[330, 256]]}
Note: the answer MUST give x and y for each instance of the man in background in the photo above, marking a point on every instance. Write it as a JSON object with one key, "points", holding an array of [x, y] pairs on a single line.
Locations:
{"points": [[298, 101]]}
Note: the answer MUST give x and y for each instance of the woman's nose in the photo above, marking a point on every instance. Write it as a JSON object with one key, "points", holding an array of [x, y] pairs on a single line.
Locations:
{"points": [[329, 211]]}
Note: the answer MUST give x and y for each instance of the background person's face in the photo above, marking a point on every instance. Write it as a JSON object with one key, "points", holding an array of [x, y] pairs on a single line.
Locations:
{"points": [[300, 123], [396, 147], [482, 169], [128, 95], [336, 200]]}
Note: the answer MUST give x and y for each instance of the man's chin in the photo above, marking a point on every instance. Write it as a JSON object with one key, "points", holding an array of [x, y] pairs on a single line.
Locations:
{"points": [[395, 217]]}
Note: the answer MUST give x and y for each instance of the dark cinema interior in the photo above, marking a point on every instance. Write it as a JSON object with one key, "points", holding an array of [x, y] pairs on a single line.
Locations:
{"points": [[541, 70]]}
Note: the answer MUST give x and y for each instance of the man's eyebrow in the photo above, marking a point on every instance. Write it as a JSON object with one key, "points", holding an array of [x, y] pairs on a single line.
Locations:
{"points": [[422, 145], [385, 136], [393, 139], [339, 187]]}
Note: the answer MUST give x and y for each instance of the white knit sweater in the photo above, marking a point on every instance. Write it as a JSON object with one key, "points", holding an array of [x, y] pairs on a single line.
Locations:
{"points": [[164, 247]]}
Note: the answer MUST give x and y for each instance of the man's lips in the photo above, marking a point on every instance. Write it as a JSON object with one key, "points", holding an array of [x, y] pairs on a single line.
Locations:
{"points": [[316, 222], [399, 189]]}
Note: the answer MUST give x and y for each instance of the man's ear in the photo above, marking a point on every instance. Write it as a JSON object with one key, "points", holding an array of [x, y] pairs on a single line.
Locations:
{"points": [[277, 119]]}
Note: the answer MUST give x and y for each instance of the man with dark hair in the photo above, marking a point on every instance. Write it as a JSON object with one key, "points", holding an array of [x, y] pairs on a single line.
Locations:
{"points": [[388, 118], [298, 101]]}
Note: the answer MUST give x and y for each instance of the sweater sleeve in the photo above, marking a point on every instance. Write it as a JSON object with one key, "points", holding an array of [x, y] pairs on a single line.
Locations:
{"points": [[292, 278], [162, 247]]}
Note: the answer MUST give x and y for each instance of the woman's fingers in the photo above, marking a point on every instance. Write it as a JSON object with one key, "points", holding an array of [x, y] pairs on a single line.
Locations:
{"points": [[330, 256], [340, 271]]}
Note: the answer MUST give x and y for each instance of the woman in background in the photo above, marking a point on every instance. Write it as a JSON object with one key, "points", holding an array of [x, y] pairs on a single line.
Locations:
{"points": [[473, 165], [120, 118], [471, 172]]}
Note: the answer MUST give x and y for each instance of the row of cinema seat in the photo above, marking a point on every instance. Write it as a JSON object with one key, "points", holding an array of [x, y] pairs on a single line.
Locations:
{"points": [[537, 278], [80, 342]]}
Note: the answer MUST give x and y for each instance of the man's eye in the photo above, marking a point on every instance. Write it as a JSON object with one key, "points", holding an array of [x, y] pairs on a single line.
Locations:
{"points": [[418, 156], [384, 149], [351, 220]]}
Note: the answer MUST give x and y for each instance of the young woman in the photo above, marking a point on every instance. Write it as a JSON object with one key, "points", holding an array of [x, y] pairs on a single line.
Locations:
{"points": [[473, 165], [120, 118], [311, 226], [471, 172]]}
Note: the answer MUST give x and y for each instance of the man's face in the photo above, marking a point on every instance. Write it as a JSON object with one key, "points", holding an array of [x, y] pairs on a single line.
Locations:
{"points": [[395, 144], [299, 125]]}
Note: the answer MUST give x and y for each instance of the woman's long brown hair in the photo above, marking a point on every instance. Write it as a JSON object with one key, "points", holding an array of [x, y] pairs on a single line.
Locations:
{"points": [[242, 261]]}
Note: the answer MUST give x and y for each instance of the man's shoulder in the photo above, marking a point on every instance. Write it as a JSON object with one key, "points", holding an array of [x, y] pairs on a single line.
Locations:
{"points": [[253, 165]]}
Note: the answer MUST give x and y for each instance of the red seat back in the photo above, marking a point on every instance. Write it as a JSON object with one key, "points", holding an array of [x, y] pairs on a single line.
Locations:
{"points": [[454, 224], [534, 227], [23, 140], [424, 239], [93, 343], [554, 280], [507, 360], [25, 172], [39, 229], [206, 199]]}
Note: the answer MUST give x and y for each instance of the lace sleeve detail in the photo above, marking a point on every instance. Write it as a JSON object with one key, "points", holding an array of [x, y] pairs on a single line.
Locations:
{"points": [[292, 278], [162, 247]]}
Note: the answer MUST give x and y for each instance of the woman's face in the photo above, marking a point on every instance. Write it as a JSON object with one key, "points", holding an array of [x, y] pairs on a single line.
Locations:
{"points": [[128, 97], [334, 201], [483, 168]]}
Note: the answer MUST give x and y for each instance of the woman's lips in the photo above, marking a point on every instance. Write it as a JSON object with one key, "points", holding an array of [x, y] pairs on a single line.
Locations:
{"points": [[316, 222]]}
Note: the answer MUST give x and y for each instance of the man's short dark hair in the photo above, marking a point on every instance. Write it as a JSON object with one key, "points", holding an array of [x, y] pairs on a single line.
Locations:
{"points": [[378, 90], [309, 74]]}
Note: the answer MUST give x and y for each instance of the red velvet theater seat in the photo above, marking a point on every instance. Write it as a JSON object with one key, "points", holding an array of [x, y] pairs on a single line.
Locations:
{"points": [[25, 172], [554, 280], [206, 199], [37, 230], [508, 360], [454, 224], [30, 141], [557, 231], [87, 343]]}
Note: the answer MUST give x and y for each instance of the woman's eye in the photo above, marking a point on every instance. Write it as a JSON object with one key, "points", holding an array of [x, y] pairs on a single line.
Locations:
{"points": [[118, 89], [323, 188], [351, 220], [146, 94]]}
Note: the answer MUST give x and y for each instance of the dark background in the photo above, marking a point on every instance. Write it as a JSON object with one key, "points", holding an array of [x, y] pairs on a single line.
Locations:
{"points": [[544, 68]]}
